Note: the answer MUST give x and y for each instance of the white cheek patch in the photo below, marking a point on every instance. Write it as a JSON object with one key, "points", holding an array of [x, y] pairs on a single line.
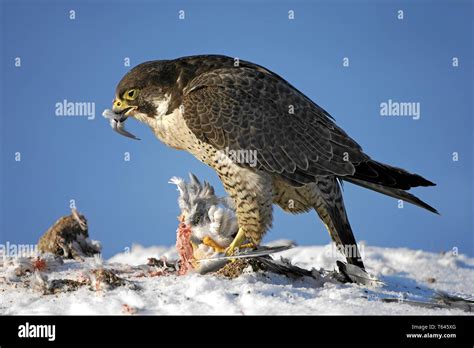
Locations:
{"points": [[162, 105]]}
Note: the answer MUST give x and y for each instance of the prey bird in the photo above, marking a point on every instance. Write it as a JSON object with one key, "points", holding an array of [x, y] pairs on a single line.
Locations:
{"points": [[216, 107], [211, 219]]}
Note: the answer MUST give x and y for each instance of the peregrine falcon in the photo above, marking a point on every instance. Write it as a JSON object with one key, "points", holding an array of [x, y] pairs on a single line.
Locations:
{"points": [[268, 142]]}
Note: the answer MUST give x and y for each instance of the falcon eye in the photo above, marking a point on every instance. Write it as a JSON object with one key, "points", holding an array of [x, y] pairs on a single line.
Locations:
{"points": [[131, 94]]}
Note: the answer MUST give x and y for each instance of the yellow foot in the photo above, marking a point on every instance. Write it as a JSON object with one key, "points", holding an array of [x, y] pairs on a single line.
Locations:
{"points": [[247, 246], [213, 244], [236, 243]]}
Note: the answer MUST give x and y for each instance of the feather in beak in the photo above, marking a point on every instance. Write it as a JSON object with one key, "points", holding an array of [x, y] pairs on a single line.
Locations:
{"points": [[117, 122]]}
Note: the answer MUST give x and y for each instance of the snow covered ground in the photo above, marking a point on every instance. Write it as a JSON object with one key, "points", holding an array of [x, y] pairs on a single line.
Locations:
{"points": [[407, 274]]}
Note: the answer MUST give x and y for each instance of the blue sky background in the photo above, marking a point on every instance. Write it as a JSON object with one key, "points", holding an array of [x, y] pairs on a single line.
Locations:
{"points": [[131, 202]]}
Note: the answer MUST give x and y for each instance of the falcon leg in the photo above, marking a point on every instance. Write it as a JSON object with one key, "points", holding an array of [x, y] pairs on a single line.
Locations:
{"points": [[330, 208], [252, 193], [236, 243]]}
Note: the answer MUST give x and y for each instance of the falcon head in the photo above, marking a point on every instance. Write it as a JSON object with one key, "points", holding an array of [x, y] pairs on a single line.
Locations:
{"points": [[145, 91]]}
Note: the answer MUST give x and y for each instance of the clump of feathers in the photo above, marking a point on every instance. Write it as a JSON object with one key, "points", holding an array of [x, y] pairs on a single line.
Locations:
{"points": [[69, 238]]}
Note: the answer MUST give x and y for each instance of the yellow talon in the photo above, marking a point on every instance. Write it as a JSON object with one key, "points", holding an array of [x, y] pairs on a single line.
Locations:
{"points": [[247, 246], [212, 243], [236, 243]]}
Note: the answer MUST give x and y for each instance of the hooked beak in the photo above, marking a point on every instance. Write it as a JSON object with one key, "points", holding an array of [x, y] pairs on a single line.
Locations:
{"points": [[122, 108], [119, 113]]}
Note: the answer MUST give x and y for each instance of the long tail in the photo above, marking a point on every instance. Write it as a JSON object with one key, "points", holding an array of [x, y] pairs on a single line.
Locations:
{"points": [[390, 181]]}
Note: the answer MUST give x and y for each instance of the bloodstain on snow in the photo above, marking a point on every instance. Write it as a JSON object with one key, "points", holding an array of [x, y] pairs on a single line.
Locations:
{"points": [[126, 309], [39, 264]]}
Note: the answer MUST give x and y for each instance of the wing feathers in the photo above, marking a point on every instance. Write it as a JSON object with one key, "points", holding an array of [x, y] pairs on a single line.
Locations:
{"points": [[247, 108]]}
